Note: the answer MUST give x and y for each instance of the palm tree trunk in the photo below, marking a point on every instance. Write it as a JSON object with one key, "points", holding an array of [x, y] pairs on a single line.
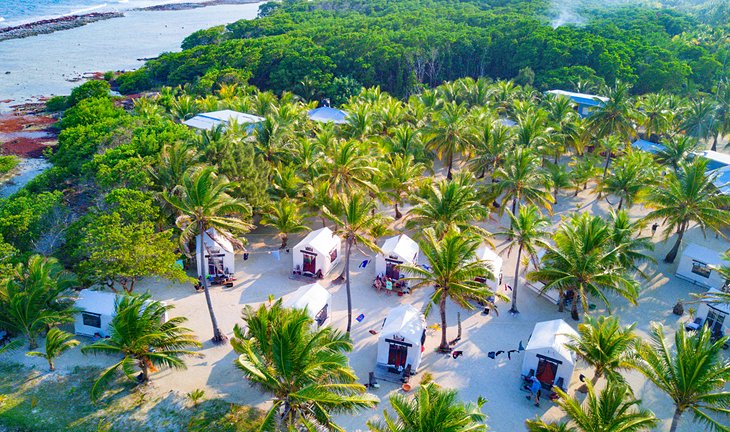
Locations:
{"points": [[561, 301], [516, 282], [145, 369], [596, 376], [620, 203], [218, 336], [675, 420], [284, 240], [51, 366], [574, 309], [451, 164], [347, 283], [714, 142], [672, 255], [444, 346], [398, 214]]}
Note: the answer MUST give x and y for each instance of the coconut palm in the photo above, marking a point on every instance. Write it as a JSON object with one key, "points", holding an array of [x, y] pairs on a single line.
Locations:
{"points": [[656, 116], [632, 176], [614, 117], [286, 218], [306, 371], [203, 202], [685, 197], [448, 203], [347, 167], [141, 334], [521, 179], [582, 171], [57, 342], [431, 409], [270, 139], [631, 248], [528, 232], [676, 151], [558, 176], [452, 272], [448, 135], [10, 346], [693, 375], [700, 120], [605, 345], [613, 409], [489, 144], [34, 296], [355, 223], [585, 260], [400, 176]]}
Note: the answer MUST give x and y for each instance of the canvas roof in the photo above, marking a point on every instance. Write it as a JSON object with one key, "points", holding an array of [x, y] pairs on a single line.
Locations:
{"points": [[489, 255], [507, 122], [701, 253], [213, 240], [321, 240], [552, 335], [96, 301], [405, 321], [327, 115], [647, 146], [401, 246], [212, 119], [312, 297], [722, 307], [581, 98]]}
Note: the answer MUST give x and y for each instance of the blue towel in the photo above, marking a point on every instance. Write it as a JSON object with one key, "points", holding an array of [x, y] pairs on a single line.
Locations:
{"points": [[364, 264], [360, 318], [275, 254], [520, 348], [426, 267]]}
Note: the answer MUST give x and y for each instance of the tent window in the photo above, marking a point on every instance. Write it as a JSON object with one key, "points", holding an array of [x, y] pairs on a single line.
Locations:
{"points": [[397, 355], [391, 269], [700, 268], [321, 316], [91, 319], [333, 255], [715, 319]]}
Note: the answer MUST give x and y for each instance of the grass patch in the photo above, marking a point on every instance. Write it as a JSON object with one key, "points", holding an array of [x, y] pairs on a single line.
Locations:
{"points": [[31, 400], [8, 163]]}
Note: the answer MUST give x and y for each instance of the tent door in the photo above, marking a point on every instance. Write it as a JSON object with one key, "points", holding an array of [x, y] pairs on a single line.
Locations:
{"points": [[321, 316], [391, 269], [215, 264], [546, 370], [715, 319], [309, 263], [397, 355]]}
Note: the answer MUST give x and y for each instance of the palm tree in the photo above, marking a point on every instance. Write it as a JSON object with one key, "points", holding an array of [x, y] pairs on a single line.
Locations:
{"points": [[35, 296], [558, 176], [449, 133], [453, 269], [528, 232], [676, 151], [286, 218], [489, 145], [693, 375], [355, 223], [630, 179], [521, 179], [347, 167], [656, 117], [700, 121], [400, 177], [431, 409], [615, 116], [203, 203], [584, 260], [685, 197], [10, 346], [306, 371], [614, 409], [143, 337], [448, 203], [582, 171], [630, 247], [604, 344], [57, 342]]}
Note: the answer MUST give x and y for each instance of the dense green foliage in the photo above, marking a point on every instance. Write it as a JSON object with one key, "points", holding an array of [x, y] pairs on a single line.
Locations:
{"points": [[310, 47], [7, 163]]}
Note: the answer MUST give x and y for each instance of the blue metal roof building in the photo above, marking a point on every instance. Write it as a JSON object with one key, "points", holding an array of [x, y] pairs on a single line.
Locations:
{"points": [[586, 103]]}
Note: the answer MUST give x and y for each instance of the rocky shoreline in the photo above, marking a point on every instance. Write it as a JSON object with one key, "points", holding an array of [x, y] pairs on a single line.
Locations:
{"points": [[194, 5], [54, 25]]}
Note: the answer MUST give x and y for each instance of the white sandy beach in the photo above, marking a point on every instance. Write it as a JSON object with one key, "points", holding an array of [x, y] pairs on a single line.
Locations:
{"points": [[473, 374]]}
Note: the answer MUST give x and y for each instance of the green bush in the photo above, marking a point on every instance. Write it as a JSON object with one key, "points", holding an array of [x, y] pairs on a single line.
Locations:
{"points": [[134, 82], [7, 163], [89, 90], [57, 103]]}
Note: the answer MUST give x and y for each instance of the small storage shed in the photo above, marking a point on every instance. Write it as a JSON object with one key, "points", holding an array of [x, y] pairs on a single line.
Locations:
{"points": [[209, 120], [699, 265], [219, 253], [493, 261], [315, 299], [318, 253], [714, 315], [546, 355], [326, 114], [96, 312], [585, 103], [396, 250], [401, 339]]}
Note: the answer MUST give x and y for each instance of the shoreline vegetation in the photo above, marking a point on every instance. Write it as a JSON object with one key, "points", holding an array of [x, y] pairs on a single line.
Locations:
{"points": [[68, 22]]}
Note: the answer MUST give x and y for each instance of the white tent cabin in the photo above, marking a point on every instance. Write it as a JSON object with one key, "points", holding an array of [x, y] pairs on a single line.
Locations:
{"points": [[219, 254], [546, 355], [493, 261], [210, 120], [401, 340], [397, 250], [317, 254], [315, 299], [715, 315], [327, 114], [699, 265], [96, 310]]}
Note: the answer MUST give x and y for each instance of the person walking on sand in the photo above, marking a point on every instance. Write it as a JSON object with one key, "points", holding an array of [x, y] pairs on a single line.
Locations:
{"points": [[535, 390]]}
